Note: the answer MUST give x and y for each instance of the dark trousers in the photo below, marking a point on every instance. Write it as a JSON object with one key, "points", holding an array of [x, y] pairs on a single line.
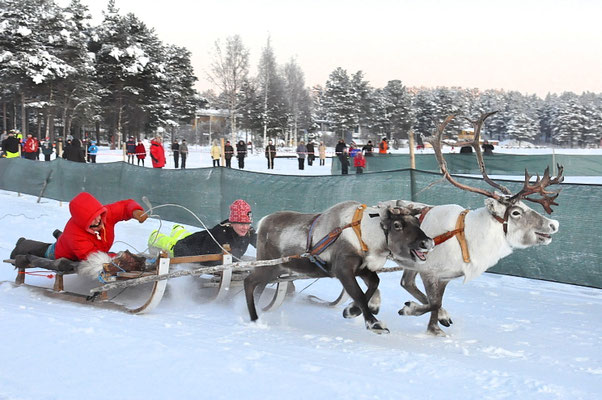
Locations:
{"points": [[359, 170], [322, 161], [183, 161], [302, 163], [46, 157], [270, 163], [216, 163], [310, 159], [176, 158], [131, 158], [139, 160], [344, 164], [92, 158], [228, 163], [241, 162]]}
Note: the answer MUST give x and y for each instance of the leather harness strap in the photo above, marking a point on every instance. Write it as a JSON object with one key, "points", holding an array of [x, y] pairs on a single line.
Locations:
{"points": [[356, 221], [458, 233]]}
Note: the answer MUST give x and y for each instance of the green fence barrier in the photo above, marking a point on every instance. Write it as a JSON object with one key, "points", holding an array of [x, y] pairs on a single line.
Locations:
{"points": [[574, 256], [497, 164]]}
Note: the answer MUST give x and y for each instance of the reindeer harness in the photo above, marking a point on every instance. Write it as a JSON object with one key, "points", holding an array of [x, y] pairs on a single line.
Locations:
{"points": [[458, 233], [313, 252]]}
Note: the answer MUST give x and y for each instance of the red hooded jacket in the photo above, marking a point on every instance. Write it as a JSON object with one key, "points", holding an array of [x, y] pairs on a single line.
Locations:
{"points": [[78, 241], [157, 154]]}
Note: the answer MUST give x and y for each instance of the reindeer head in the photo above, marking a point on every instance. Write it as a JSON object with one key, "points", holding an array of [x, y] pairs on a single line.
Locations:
{"points": [[405, 240], [523, 226]]}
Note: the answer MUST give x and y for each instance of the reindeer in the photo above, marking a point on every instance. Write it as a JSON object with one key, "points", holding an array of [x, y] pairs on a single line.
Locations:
{"points": [[484, 236], [378, 233]]}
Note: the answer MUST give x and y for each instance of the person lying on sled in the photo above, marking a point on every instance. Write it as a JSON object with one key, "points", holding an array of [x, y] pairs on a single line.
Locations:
{"points": [[90, 229], [235, 231]]}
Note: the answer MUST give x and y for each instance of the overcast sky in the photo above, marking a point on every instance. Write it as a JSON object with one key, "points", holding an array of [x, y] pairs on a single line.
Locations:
{"points": [[530, 46]]}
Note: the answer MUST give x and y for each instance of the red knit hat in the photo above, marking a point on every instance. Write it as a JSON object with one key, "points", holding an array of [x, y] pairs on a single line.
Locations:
{"points": [[240, 211]]}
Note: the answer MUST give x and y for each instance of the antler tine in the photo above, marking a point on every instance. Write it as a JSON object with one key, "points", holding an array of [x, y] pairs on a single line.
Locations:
{"points": [[476, 144], [539, 186], [435, 141]]}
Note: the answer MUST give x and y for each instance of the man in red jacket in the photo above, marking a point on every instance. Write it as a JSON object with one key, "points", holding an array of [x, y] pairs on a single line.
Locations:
{"points": [[157, 153], [30, 148], [90, 229]]}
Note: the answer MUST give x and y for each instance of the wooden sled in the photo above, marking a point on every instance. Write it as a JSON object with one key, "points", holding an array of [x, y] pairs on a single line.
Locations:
{"points": [[62, 267]]}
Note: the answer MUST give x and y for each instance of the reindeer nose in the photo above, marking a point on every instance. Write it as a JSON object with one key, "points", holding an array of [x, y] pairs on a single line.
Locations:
{"points": [[554, 226], [427, 244]]}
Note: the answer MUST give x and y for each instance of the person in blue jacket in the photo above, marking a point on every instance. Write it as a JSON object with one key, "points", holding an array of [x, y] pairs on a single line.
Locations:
{"points": [[92, 151]]}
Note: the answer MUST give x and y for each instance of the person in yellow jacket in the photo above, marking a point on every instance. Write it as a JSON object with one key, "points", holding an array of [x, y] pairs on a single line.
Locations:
{"points": [[216, 153], [11, 146]]}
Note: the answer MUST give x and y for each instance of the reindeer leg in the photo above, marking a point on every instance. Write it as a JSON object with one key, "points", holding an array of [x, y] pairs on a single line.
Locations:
{"points": [[259, 277], [372, 294], [408, 282], [344, 268], [434, 290]]}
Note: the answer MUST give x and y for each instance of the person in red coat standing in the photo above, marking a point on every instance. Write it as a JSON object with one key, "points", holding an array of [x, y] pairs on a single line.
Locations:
{"points": [[140, 152], [91, 227], [30, 149], [359, 162], [157, 152]]}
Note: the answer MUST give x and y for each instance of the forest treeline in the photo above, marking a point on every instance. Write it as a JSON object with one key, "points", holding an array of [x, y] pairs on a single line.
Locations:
{"points": [[61, 75]]}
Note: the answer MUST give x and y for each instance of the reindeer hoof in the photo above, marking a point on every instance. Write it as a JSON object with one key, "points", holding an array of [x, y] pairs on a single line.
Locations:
{"points": [[352, 311], [408, 309], [377, 327], [444, 318]]}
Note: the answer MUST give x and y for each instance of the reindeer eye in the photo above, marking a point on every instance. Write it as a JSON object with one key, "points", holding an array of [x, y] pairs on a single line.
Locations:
{"points": [[516, 213], [397, 225]]}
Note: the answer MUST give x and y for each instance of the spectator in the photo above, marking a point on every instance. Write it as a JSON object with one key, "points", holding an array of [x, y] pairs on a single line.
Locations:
{"points": [[353, 150], [11, 146], [359, 162], [92, 151], [130, 149], [30, 148], [270, 154], [241, 153], [75, 152], [90, 229], [367, 149], [322, 153], [140, 152], [465, 149], [175, 149], [47, 148], [183, 153], [157, 152], [341, 152], [487, 148], [216, 153], [383, 147], [311, 155], [228, 154], [301, 153]]}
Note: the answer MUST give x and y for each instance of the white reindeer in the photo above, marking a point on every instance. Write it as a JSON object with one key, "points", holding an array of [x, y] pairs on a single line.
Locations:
{"points": [[487, 234]]}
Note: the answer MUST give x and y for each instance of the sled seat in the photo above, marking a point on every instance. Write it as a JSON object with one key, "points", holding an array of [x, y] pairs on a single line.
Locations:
{"points": [[61, 267]]}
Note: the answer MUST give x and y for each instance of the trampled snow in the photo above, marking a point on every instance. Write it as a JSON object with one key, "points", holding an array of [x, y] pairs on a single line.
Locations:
{"points": [[512, 338]]}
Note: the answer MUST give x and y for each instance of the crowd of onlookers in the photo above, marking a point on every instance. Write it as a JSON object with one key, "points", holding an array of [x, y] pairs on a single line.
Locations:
{"points": [[73, 149]]}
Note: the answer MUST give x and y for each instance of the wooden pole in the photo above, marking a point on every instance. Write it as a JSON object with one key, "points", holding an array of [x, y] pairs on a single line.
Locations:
{"points": [[237, 266], [412, 155]]}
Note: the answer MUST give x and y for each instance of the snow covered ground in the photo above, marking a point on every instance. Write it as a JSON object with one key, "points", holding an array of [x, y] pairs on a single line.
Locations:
{"points": [[512, 338]]}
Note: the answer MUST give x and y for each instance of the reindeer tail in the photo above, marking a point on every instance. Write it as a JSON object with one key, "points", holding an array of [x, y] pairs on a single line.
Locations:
{"points": [[93, 265]]}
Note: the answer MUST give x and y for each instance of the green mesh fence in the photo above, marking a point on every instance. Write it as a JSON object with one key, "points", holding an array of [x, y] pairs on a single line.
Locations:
{"points": [[497, 164], [574, 256]]}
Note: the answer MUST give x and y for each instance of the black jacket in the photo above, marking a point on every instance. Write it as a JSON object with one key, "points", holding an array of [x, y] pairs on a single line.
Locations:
{"points": [[340, 148], [241, 150], [201, 243], [11, 144], [74, 152], [228, 151]]}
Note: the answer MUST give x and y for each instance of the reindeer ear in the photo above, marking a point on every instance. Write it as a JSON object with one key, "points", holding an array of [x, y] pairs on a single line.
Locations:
{"points": [[494, 206]]}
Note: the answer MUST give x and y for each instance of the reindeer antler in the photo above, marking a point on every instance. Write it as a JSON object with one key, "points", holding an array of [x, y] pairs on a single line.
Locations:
{"points": [[540, 185], [547, 197], [435, 141], [476, 144]]}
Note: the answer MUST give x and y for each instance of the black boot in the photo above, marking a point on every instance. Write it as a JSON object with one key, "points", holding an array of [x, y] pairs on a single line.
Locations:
{"points": [[57, 233], [26, 246]]}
